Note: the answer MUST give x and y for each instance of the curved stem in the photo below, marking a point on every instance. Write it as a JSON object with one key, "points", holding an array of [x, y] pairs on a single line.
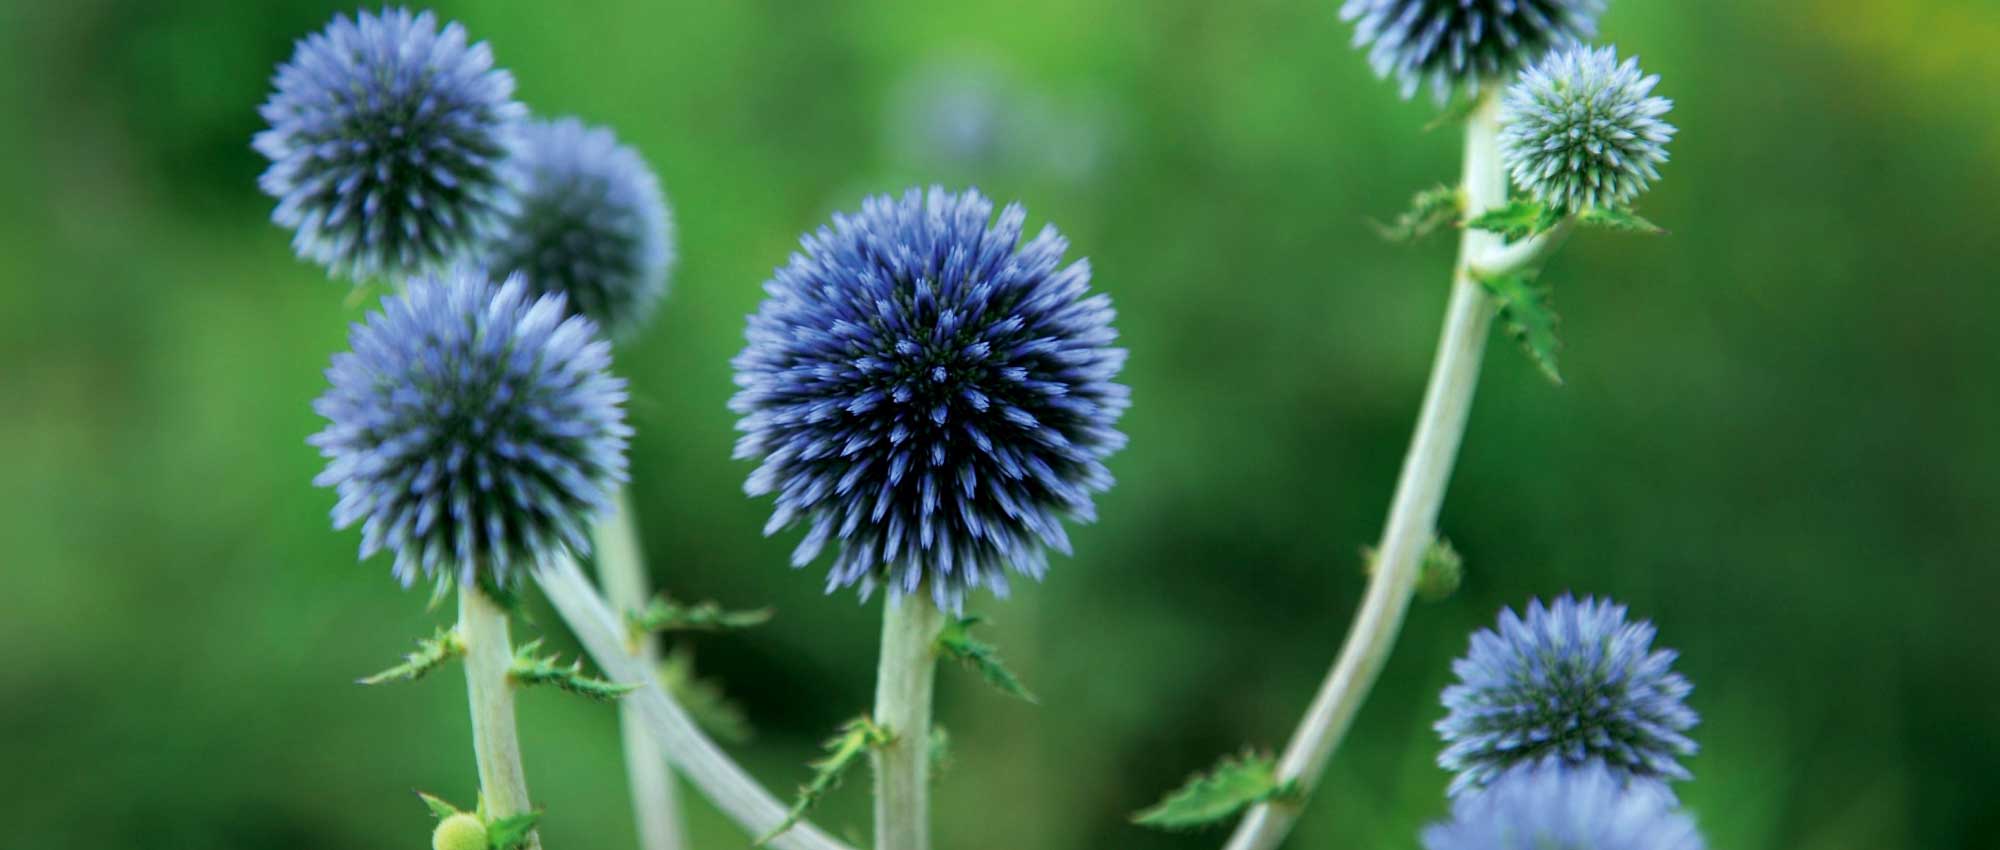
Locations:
{"points": [[621, 569], [503, 785], [1413, 513], [1524, 255], [712, 772], [903, 686]]}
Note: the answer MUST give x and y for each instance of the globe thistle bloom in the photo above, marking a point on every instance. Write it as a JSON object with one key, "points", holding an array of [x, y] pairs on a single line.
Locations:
{"points": [[589, 222], [388, 141], [1580, 129], [1457, 42], [471, 428], [1573, 682], [1560, 807], [931, 393]]}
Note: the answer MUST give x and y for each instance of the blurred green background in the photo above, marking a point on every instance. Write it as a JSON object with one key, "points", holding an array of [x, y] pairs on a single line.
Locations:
{"points": [[1780, 438]]}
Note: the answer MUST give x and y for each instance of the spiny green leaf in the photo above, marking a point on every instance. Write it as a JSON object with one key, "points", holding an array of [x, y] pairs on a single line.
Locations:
{"points": [[1442, 570], [1529, 318], [528, 669], [438, 807], [1233, 785], [1429, 210], [855, 740], [664, 614], [703, 699], [511, 833], [957, 643], [1618, 219], [432, 653], [1438, 573], [1517, 219]]}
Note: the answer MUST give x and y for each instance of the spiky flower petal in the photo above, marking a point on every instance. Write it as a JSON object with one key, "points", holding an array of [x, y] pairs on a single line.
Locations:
{"points": [[1559, 807], [388, 141], [1452, 43], [590, 222], [1574, 682], [932, 394], [1580, 129], [472, 428]]}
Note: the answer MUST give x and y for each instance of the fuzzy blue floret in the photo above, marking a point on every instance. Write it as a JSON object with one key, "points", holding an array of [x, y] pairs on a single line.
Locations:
{"points": [[590, 222], [1574, 682], [1558, 807], [1580, 129], [931, 394], [388, 141], [472, 429], [1452, 43]]}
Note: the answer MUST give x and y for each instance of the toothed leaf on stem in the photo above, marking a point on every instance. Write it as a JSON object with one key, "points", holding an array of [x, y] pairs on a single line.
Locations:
{"points": [[511, 833], [531, 670], [703, 699], [1529, 318], [957, 643], [855, 740], [665, 615], [1431, 209], [438, 807], [1233, 785], [1441, 571], [432, 653], [1517, 219], [1620, 218]]}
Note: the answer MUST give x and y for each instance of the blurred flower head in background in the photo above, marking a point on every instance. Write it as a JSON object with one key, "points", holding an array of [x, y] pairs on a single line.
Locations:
{"points": [[1554, 806], [972, 120], [1453, 43], [1580, 129], [589, 222], [930, 393], [388, 140], [1574, 682], [472, 429]]}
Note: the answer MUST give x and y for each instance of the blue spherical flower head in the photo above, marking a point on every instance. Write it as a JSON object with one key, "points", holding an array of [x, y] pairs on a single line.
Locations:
{"points": [[1574, 682], [930, 393], [589, 222], [1580, 129], [388, 142], [1559, 807], [1452, 43], [472, 429]]}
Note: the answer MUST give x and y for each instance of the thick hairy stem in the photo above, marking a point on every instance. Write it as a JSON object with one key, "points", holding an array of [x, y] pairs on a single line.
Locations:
{"points": [[903, 684], [1413, 514], [482, 625], [1525, 255], [712, 772], [622, 571]]}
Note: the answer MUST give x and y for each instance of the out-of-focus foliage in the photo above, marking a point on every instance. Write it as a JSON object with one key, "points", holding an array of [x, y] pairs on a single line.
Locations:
{"points": [[1779, 436]]}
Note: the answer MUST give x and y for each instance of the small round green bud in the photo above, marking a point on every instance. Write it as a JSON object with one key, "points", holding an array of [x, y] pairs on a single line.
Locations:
{"points": [[459, 832]]}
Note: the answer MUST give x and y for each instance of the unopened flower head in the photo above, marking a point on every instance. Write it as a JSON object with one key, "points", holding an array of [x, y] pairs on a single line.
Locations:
{"points": [[472, 429], [590, 222], [931, 393], [1580, 129], [1561, 807], [388, 141], [1574, 682], [1451, 43]]}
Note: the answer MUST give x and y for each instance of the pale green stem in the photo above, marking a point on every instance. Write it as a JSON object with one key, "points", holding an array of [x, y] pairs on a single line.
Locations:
{"points": [[1526, 255], [903, 685], [1412, 513], [622, 570], [711, 771], [482, 626]]}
